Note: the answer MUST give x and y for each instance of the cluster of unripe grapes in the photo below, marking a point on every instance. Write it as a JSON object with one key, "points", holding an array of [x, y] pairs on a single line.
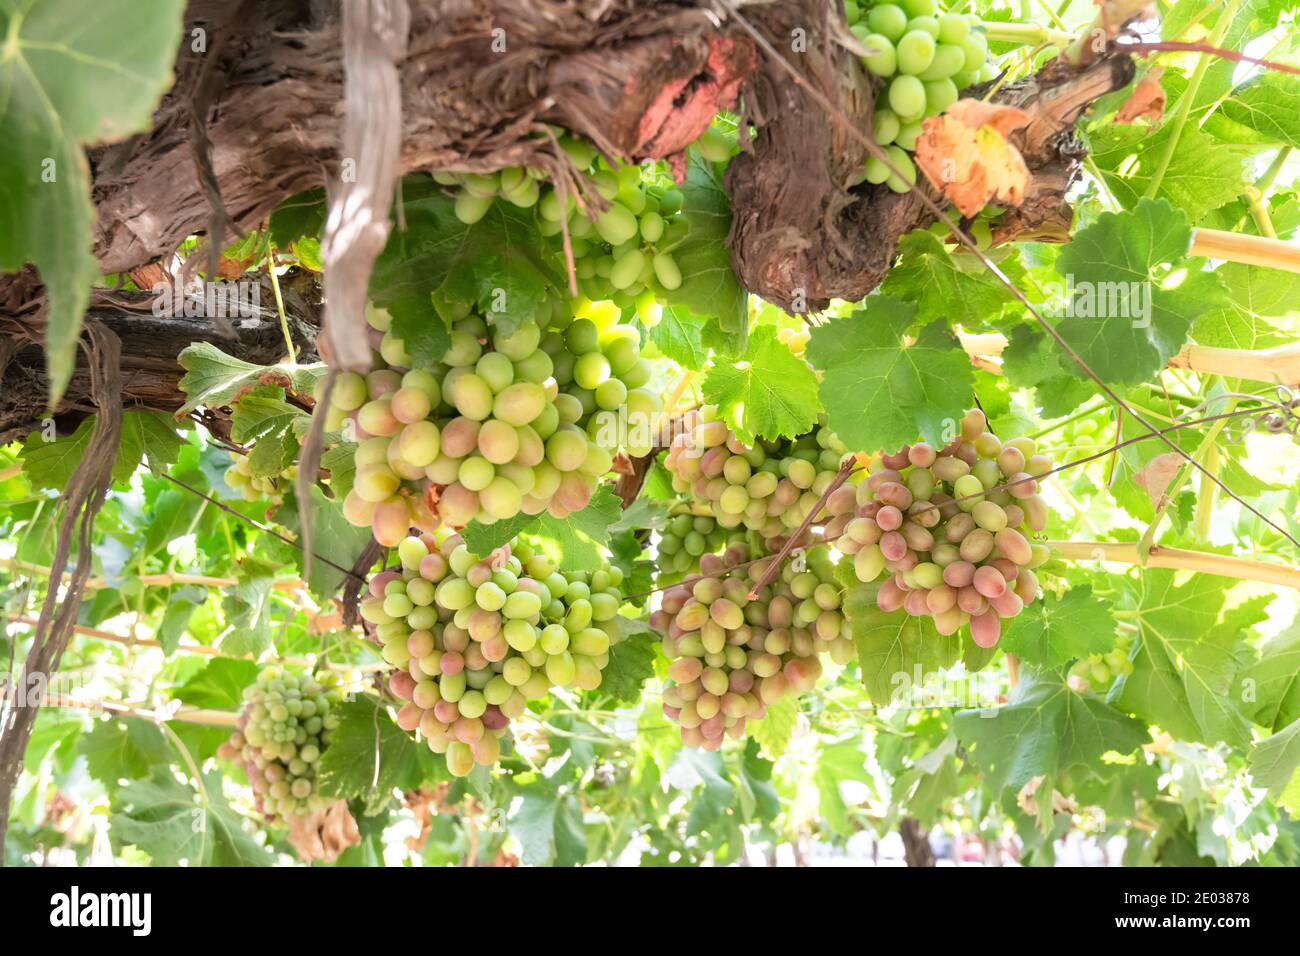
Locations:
{"points": [[690, 539], [240, 477], [283, 729], [953, 540], [1100, 670], [526, 422], [621, 253], [733, 656], [925, 58], [769, 488], [473, 639]]}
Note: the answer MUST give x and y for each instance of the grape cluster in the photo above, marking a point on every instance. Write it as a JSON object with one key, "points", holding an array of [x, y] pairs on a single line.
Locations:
{"points": [[925, 58], [1100, 670], [769, 488], [955, 542], [473, 639], [505, 423], [733, 657], [253, 487], [624, 252], [283, 730]]}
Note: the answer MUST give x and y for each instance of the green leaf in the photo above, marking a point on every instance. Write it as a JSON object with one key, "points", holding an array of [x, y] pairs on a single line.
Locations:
{"points": [[333, 537], [1044, 730], [483, 539], [680, 336], [248, 610], [220, 685], [166, 819], [1125, 324], [213, 378], [769, 393], [1269, 106], [340, 462], [1274, 681], [896, 651], [70, 75], [1185, 671], [500, 265], [1203, 174], [182, 602], [126, 748], [709, 286], [693, 769], [881, 393], [774, 730], [274, 427], [1033, 360], [575, 541], [945, 285], [1054, 631], [1254, 296], [50, 464], [1274, 760], [836, 764], [154, 434], [365, 736], [631, 664], [548, 826]]}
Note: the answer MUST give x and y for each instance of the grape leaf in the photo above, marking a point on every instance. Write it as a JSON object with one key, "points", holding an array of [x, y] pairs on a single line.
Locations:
{"points": [[365, 735], [166, 819], [333, 536], [274, 427], [220, 685], [1275, 681], [944, 285], [213, 378], [499, 265], [631, 664], [836, 764], [1185, 670], [774, 730], [1033, 360], [679, 335], [1126, 325], [1043, 730], [51, 464], [768, 393], [248, 610], [709, 286], [1269, 106], [1203, 174], [693, 768], [340, 462], [881, 393], [1254, 295], [117, 749], [548, 826], [573, 540], [1054, 631], [1274, 759], [70, 74], [896, 651], [154, 434]]}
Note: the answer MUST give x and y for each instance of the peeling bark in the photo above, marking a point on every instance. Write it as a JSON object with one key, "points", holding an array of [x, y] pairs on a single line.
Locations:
{"points": [[802, 235]]}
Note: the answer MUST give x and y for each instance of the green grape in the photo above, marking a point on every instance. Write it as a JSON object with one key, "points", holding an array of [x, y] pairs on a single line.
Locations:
{"points": [[881, 59], [907, 97], [915, 54]]}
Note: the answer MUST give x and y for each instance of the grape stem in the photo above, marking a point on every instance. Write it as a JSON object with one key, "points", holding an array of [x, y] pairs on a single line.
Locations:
{"points": [[769, 574], [187, 715], [1246, 249], [1126, 552], [1030, 34], [202, 650]]}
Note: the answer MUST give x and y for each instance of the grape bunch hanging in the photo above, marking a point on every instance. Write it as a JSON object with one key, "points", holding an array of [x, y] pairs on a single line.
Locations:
{"points": [[952, 528], [283, 729], [925, 58], [525, 421], [472, 639]]}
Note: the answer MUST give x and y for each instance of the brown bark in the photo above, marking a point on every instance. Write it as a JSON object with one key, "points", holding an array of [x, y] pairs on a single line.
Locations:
{"points": [[150, 345], [916, 843]]}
